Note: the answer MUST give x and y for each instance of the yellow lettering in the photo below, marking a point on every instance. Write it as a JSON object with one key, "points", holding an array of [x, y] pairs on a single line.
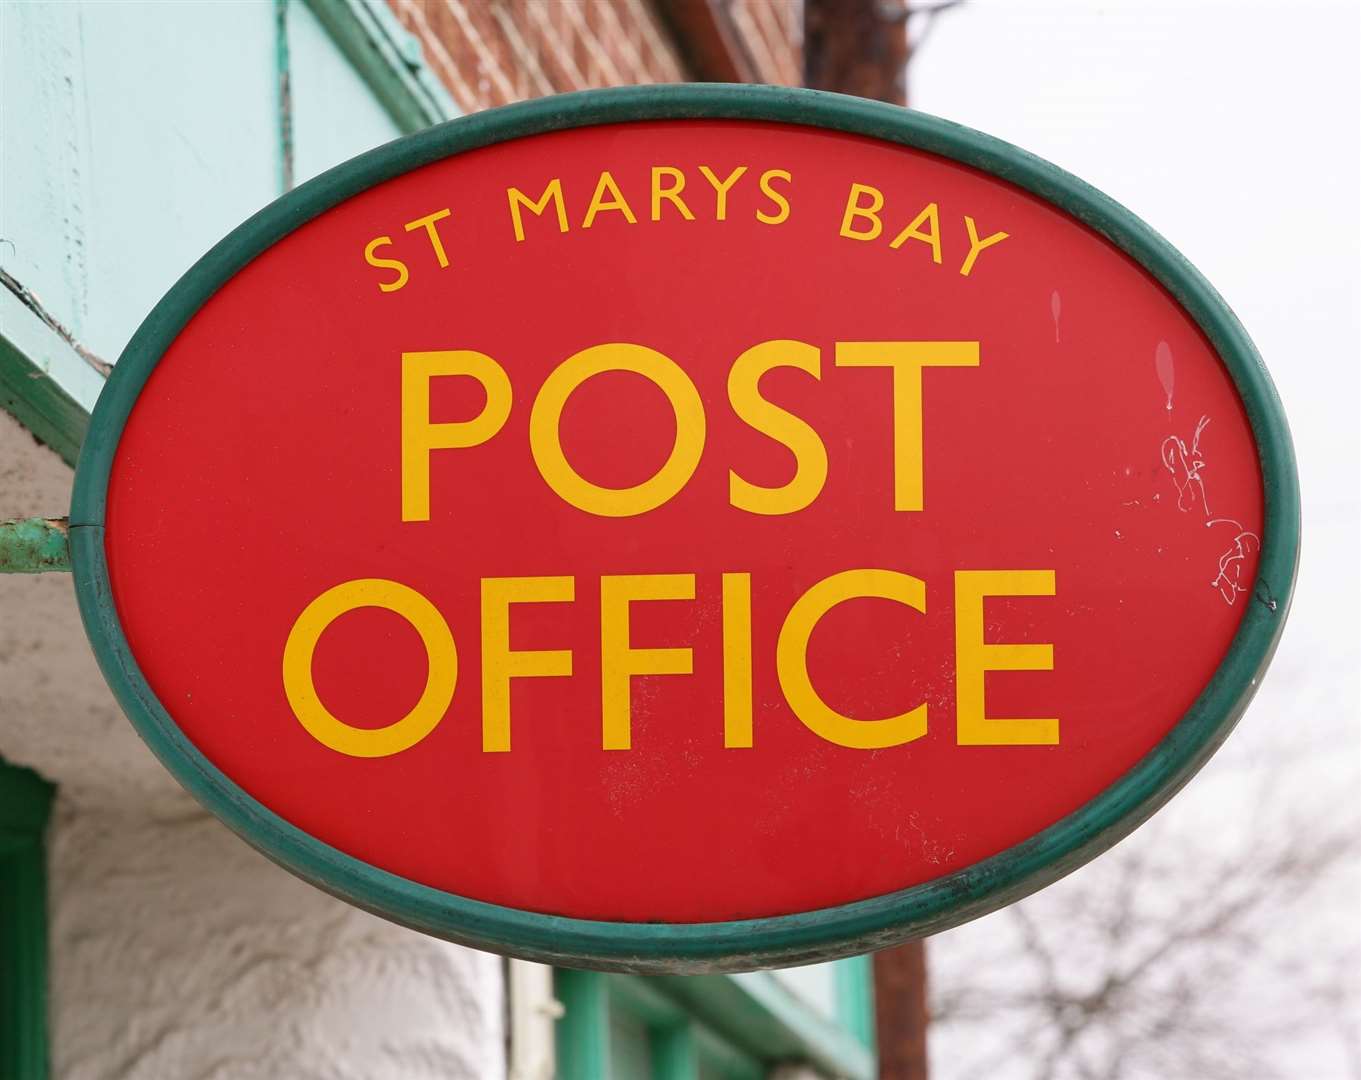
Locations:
{"points": [[599, 204], [974, 657], [553, 193], [441, 658], [855, 210], [774, 196], [791, 659], [737, 660], [721, 188], [371, 257], [931, 216], [810, 455], [546, 445], [619, 661], [907, 358], [976, 245], [501, 663], [428, 224], [671, 194], [420, 436]]}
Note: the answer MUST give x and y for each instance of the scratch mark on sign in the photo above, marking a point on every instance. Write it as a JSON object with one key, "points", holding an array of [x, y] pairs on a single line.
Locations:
{"points": [[1055, 306], [1229, 580], [1185, 465], [933, 851]]}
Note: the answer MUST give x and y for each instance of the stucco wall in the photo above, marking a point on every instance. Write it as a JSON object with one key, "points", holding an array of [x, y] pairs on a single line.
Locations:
{"points": [[176, 951]]}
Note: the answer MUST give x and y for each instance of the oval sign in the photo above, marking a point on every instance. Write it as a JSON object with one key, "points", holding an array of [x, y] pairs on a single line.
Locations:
{"points": [[687, 528]]}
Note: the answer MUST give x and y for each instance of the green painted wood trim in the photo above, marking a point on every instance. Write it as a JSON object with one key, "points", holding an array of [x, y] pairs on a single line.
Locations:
{"points": [[680, 1037], [718, 1055], [25, 803], [23, 963], [34, 546], [802, 937], [583, 1030], [760, 1015], [675, 1052], [38, 402], [855, 997], [643, 997], [388, 59], [689, 1039]]}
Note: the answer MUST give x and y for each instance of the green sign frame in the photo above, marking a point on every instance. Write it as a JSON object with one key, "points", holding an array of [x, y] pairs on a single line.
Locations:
{"points": [[806, 937]]}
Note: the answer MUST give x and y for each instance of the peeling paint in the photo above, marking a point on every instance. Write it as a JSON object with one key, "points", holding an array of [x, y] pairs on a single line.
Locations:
{"points": [[34, 546], [30, 300], [285, 80]]}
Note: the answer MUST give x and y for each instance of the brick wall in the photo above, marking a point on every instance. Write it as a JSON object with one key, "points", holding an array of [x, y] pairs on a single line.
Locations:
{"points": [[771, 34], [491, 52]]}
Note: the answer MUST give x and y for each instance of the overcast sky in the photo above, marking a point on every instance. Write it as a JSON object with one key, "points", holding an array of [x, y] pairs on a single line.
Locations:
{"points": [[1234, 129]]}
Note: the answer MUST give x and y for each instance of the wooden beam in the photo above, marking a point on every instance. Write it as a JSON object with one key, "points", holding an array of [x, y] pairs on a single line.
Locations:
{"points": [[901, 1014]]}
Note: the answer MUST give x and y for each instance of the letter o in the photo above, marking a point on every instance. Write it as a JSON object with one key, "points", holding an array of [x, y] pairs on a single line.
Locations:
{"points": [[791, 659], [546, 415], [440, 653]]}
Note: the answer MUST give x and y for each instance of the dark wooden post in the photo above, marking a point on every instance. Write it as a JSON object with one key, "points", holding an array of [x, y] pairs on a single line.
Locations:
{"points": [[857, 47], [900, 1011]]}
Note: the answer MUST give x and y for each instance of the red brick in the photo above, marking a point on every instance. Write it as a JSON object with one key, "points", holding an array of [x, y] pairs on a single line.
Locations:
{"points": [[489, 52]]}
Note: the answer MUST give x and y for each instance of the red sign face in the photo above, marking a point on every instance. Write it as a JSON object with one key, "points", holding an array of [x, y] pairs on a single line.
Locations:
{"points": [[683, 521]]}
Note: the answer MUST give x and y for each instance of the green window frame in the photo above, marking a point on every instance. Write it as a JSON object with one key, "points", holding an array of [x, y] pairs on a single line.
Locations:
{"points": [[25, 803], [711, 1027]]}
